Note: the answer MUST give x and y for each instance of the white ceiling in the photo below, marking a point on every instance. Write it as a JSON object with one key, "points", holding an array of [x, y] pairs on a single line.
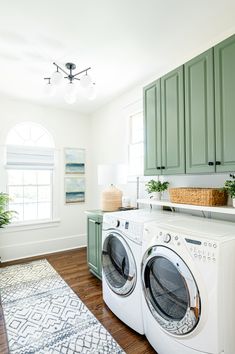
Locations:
{"points": [[124, 41]]}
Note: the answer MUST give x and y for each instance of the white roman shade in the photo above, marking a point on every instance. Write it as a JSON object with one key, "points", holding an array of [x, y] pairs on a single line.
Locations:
{"points": [[29, 158]]}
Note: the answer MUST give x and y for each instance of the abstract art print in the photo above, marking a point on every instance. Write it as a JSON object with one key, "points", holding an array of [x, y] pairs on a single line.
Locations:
{"points": [[74, 190], [74, 161]]}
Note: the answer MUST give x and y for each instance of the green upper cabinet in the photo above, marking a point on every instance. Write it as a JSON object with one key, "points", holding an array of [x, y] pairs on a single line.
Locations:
{"points": [[172, 112], [190, 116], [199, 114], [152, 125], [224, 56]]}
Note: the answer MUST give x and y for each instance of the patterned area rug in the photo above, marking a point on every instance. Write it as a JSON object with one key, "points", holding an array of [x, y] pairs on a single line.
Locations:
{"points": [[44, 316]]}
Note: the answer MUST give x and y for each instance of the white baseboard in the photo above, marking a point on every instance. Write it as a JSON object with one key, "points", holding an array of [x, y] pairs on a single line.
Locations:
{"points": [[37, 248]]}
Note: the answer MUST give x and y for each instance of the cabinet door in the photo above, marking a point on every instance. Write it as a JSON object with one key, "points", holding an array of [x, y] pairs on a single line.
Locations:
{"points": [[224, 55], [93, 245], [199, 114], [172, 109], [152, 127]]}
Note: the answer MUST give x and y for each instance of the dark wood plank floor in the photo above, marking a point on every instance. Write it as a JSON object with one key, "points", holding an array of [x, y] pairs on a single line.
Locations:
{"points": [[72, 266]]}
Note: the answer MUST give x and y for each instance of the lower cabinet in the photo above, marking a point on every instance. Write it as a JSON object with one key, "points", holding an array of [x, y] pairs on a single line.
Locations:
{"points": [[94, 243]]}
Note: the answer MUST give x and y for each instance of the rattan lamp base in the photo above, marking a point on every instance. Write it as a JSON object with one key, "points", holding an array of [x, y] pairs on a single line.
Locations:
{"points": [[111, 199]]}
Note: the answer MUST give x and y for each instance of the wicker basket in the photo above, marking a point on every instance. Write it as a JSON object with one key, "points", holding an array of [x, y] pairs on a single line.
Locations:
{"points": [[198, 196]]}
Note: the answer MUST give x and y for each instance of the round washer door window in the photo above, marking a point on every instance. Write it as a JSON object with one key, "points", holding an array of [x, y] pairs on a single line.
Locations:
{"points": [[170, 291], [118, 265]]}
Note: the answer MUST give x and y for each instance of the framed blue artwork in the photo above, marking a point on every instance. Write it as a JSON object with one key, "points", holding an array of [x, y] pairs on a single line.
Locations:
{"points": [[74, 161], [74, 189]]}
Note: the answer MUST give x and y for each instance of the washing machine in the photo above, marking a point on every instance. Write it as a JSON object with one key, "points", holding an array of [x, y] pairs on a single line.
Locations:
{"points": [[121, 262], [188, 281]]}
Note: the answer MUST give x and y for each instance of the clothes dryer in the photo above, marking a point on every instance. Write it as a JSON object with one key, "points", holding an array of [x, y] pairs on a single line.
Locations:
{"points": [[188, 278]]}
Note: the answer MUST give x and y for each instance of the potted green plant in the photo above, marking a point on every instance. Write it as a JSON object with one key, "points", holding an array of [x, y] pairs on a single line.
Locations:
{"points": [[5, 215], [229, 186], [155, 188]]}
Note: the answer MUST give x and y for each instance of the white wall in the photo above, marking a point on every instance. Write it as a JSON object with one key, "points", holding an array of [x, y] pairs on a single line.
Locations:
{"points": [[69, 129], [110, 135]]}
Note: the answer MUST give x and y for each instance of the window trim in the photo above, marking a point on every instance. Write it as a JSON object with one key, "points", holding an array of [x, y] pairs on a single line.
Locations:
{"points": [[32, 225]]}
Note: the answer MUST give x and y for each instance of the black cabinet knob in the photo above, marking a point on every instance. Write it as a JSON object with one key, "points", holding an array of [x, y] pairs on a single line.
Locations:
{"points": [[210, 163], [163, 167], [158, 167], [218, 163]]}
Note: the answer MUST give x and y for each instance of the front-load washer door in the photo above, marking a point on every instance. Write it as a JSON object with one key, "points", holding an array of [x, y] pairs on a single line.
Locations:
{"points": [[118, 264], [170, 290]]}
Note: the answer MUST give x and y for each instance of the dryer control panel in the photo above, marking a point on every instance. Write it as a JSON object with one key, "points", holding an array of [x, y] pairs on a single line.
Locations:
{"points": [[205, 250], [200, 249]]}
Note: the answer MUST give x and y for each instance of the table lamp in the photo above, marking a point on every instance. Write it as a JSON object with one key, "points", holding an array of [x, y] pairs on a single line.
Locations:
{"points": [[111, 175]]}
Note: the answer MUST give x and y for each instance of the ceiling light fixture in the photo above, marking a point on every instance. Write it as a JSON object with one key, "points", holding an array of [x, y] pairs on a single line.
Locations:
{"points": [[71, 87]]}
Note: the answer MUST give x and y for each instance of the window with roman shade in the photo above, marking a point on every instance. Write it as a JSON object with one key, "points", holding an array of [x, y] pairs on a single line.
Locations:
{"points": [[30, 160]]}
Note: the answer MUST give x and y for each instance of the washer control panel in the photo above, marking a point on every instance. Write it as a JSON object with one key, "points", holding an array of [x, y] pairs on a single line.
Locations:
{"points": [[133, 230], [200, 249]]}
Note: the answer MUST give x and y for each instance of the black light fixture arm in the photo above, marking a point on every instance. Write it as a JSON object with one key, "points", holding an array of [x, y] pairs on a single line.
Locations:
{"points": [[57, 66], [48, 78], [83, 71], [71, 67]]}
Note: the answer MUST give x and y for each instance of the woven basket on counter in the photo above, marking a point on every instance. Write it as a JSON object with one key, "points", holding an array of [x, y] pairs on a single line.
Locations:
{"points": [[198, 196]]}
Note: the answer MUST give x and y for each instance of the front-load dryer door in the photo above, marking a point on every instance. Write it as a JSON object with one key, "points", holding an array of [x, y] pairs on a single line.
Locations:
{"points": [[118, 265], [170, 290]]}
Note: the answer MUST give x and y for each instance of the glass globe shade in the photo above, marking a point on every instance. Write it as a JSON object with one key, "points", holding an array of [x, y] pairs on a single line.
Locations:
{"points": [[56, 78], [49, 90], [91, 93], [86, 81], [70, 93], [70, 89], [70, 99]]}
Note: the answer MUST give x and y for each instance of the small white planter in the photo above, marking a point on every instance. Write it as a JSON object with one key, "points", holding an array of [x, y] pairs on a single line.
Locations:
{"points": [[156, 195], [233, 199]]}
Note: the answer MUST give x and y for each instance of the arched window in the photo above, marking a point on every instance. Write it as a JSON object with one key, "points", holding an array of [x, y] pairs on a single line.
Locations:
{"points": [[30, 164], [29, 134]]}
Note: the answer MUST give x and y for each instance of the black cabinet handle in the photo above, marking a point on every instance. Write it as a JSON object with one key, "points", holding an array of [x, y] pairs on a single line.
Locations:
{"points": [[210, 163], [163, 167], [218, 163], [158, 167], [97, 223]]}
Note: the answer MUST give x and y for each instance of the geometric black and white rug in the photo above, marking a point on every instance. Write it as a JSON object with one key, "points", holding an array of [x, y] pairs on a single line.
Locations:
{"points": [[44, 316]]}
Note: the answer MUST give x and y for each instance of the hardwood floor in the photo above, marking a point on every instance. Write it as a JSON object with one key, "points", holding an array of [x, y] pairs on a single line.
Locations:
{"points": [[72, 266]]}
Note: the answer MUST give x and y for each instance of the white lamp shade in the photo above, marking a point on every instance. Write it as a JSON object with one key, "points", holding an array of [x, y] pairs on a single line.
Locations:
{"points": [[112, 174]]}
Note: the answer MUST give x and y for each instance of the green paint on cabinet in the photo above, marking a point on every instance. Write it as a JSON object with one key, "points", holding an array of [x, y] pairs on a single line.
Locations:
{"points": [[199, 114], [152, 124], [224, 56], [172, 110], [190, 116], [94, 243]]}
